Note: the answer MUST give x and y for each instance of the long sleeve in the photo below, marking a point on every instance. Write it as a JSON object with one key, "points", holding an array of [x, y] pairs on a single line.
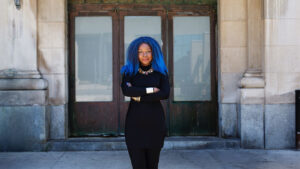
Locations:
{"points": [[131, 91], [163, 93]]}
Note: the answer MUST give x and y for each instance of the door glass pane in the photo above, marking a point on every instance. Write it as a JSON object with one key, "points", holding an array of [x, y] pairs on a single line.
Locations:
{"points": [[191, 58], [93, 58], [136, 26]]}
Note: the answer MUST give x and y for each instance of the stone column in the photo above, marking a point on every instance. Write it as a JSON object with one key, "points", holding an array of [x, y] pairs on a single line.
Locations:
{"points": [[251, 102], [23, 117]]}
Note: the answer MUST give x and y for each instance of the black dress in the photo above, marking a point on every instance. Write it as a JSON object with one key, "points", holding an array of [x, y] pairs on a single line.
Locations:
{"points": [[145, 125]]}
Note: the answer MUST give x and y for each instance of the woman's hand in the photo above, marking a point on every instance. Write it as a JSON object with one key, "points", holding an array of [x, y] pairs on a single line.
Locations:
{"points": [[155, 89], [128, 84]]}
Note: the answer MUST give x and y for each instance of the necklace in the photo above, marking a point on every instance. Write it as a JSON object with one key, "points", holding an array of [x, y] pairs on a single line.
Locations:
{"points": [[145, 72]]}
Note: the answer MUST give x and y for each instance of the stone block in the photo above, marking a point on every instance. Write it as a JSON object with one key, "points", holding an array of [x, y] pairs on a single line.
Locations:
{"points": [[229, 87], [228, 120], [233, 9], [57, 90], [58, 121], [279, 9], [285, 56], [233, 34], [18, 42], [23, 128], [233, 59], [283, 32], [52, 61], [51, 35], [280, 87], [22, 97], [280, 126], [252, 95], [46, 10], [252, 126], [23, 84]]}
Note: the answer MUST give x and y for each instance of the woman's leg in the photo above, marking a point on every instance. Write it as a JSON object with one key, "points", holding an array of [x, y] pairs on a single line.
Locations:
{"points": [[137, 157], [152, 158]]}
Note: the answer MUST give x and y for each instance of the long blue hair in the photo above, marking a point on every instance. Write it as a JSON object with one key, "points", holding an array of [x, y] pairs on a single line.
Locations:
{"points": [[132, 61]]}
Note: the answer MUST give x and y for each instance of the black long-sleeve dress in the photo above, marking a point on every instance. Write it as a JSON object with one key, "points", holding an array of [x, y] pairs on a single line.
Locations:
{"points": [[145, 125]]}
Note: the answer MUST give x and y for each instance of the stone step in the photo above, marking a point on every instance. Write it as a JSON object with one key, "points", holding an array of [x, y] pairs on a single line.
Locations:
{"points": [[118, 143]]}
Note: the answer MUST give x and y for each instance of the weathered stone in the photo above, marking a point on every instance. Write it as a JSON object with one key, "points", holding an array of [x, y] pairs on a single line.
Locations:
{"points": [[252, 125], [229, 87], [233, 34], [282, 59], [58, 121], [57, 90], [228, 120], [252, 82], [233, 10], [233, 59], [18, 42], [46, 10], [282, 32], [22, 97], [23, 84], [280, 126], [23, 128], [14, 73], [280, 87], [52, 60], [252, 95], [278, 9], [52, 35]]}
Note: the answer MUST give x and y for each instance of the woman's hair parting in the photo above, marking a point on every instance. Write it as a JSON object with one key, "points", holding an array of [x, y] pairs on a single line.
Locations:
{"points": [[132, 62]]}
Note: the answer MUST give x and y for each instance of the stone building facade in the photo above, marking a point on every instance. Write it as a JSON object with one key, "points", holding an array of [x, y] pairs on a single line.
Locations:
{"points": [[257, 70]]}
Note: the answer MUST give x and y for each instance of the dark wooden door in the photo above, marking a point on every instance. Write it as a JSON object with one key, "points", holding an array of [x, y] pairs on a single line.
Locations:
{"points": [[93, 73], [99, 36], [192, 66]]}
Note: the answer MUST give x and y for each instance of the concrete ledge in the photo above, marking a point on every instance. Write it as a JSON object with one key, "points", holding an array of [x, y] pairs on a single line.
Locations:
{"points": [[17, 73], [23, 84], [22, 97], [118, 143]]}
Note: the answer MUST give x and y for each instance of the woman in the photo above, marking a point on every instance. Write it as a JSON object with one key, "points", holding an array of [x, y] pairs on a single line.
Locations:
{"points": [[145, 80]]}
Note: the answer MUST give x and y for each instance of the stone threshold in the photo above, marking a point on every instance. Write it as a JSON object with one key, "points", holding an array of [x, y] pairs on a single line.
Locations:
{"points": [[118, 143]]}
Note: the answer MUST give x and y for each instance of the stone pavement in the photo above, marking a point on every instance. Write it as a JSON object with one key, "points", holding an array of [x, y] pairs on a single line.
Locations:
{"points": [[169, 159]]}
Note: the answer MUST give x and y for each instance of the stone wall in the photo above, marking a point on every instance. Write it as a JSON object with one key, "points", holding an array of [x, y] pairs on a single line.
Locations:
{"points": [[24, 121], [282, 71], [232, 21], [18, 34], [259, 62], [52, 61]]}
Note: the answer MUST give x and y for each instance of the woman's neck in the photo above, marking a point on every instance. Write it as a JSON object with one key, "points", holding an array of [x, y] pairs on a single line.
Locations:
{"points": [[145, 67]]}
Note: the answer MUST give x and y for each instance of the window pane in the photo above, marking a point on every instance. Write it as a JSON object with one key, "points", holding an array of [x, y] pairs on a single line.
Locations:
{"points": [[136, 26], [191, 58], [93, 58]]}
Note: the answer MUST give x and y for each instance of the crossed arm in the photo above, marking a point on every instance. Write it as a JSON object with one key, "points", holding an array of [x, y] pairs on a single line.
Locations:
{"points": [[141, 94]]}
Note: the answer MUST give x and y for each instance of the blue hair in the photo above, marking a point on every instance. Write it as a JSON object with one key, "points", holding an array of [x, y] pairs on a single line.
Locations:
{"points": [[132, 62]]}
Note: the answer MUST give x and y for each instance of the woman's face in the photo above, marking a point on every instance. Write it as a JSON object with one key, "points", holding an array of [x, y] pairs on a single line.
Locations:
{"points": [[145, 54]]}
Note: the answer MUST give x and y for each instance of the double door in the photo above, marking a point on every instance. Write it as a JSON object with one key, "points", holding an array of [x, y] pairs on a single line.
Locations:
{"points": [[98, 41]]}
